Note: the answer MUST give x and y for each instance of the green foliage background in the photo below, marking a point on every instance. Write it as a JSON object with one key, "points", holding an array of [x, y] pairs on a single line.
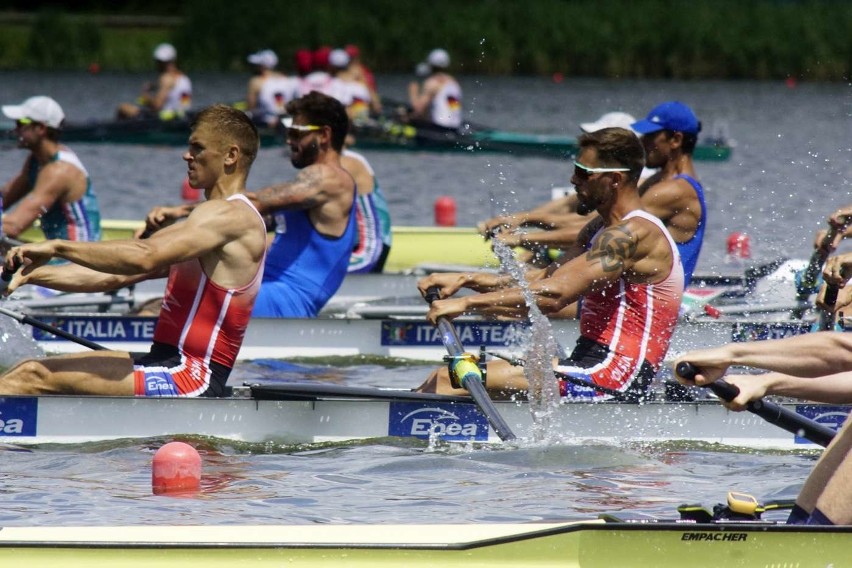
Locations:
{"points": [[727, 39]]}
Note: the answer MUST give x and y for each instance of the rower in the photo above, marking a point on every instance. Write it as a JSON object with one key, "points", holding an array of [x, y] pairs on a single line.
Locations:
{"points": [[438, 100], [269, 91], [625, 262], [169, 98], [313, 214], [213, 261], [53, 186], [673, 194], [815, 367]]}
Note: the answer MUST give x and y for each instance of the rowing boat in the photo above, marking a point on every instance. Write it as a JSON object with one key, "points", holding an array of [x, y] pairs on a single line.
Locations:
{"points": [[381, 134], [295, 413], [592, 543], [395, 337]]}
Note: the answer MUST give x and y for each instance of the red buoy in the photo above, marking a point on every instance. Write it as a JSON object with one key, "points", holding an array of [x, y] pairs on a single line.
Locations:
{"points": [[445, 211], [176, 470], [739, 245], [188, 193]]}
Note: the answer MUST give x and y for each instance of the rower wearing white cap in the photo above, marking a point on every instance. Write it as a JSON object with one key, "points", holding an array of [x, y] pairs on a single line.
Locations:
{"points": [[439, 99], [269, 91], [170, 98], [353, 94], [53, 186]]}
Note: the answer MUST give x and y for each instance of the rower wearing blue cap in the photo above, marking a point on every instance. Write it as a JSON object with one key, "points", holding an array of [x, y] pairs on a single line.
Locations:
{"points": [[674, 194]]}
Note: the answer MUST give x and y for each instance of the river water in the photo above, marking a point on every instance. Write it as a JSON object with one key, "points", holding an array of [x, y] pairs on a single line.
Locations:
{"points": [[791, 167]]}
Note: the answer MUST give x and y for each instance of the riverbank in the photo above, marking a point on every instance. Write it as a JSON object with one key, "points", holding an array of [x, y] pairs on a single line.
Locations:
{"points": [[703, 39]]}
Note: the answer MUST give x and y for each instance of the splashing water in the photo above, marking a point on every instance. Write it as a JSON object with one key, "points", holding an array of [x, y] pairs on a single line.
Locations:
{"points": [[539, 353]]}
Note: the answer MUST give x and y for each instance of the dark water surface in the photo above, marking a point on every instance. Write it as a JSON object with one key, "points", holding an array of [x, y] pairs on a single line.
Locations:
{"points": [[791, 167]]}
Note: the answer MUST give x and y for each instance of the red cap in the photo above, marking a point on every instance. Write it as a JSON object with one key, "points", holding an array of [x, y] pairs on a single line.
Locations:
{"points": [[321, 57], [304, 61], [352, 50]]}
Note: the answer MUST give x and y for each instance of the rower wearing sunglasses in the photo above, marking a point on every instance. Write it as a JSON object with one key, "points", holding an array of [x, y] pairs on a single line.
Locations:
{"points": [[313, 215], [626, 266], [673, 193], [53, 186]]}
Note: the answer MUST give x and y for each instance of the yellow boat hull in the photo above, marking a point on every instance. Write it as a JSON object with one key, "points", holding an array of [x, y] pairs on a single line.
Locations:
{"points": [[412, 246], [587, 544]]}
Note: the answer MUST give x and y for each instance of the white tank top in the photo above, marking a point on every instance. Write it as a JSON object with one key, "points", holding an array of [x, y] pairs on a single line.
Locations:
{"points": [[446, 106], [179, 98], [274, 94]]}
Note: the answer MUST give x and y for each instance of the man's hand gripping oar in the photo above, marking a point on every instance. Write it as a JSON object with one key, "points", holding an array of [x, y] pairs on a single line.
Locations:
{"points": [[807, 283], [465, 372], [771, 412], [6, 275]]}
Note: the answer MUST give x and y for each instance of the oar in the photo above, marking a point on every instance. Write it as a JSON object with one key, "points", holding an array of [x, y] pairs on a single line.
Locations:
{"points": [[5, 278], [810, 277], [468, 373], [826, 316], [771, 412], [54, 330]]}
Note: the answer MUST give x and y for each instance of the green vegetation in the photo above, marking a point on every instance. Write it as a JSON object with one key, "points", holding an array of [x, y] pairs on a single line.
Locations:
{"points": [[730, 39]]}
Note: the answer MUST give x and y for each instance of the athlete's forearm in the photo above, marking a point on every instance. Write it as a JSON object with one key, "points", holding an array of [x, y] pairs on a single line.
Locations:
{"points": [[809, 355]]}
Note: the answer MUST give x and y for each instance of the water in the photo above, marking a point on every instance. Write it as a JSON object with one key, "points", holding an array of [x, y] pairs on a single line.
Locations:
{"points": [[792, 166]]}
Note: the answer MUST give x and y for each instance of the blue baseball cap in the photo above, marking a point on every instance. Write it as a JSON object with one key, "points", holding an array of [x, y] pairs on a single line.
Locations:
{"points": [[671, 115]]}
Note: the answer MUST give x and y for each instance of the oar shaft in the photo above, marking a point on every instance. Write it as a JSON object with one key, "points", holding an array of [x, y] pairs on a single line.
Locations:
{"points": [[471, 381], [51, 329], [769, 411]]}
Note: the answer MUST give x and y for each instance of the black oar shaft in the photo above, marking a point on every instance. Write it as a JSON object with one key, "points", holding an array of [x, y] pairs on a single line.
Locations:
{"points": [[769, 411], [51, 329], [472, 384]]}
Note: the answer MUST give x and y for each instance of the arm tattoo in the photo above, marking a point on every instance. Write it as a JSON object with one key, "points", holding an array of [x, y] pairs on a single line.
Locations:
{"points": [[613, 247], [301, 191]]}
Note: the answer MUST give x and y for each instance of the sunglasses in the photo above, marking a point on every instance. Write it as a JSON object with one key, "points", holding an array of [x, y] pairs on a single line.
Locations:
{"points": [[585, 172], [298, 130], [24, 122]]}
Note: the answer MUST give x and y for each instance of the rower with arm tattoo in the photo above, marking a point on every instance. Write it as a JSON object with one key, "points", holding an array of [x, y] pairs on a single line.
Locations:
{"points": [[626, 268]]}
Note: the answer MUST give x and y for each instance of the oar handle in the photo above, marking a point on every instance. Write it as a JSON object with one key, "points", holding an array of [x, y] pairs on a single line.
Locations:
{"points": [[830, 296], [826, 316], [769, 411], [7, 275], [471, 376]]}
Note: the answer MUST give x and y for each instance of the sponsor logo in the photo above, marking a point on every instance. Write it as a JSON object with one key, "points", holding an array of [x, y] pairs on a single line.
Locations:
{"points": [[831, 416], [101, 328], [490, 334], [453, 422], [18, 416], [714, 536]]}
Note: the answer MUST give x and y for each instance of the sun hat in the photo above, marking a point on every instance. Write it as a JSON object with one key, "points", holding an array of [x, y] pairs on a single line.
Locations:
{"points": [[609, 120], [165, 52], [265, 58], [338, 58], [438, 58], [671, 115], [38, 109]]}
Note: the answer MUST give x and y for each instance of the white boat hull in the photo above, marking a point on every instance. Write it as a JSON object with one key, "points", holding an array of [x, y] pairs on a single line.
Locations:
{"points": [[311, 413], [390, 337]]}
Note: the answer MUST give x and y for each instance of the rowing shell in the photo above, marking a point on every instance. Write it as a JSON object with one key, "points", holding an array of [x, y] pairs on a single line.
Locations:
{"points": [[594, 543], [300, 413], [406, 338]]}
